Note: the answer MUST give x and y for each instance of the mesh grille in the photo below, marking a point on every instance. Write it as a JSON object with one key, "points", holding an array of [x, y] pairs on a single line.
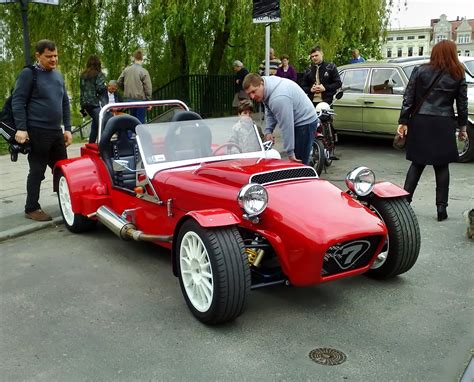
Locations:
{"points": [[349, 255], [281, 175]]}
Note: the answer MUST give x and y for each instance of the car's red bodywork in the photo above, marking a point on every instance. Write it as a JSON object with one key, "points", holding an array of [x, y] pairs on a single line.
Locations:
{"points": [[303, 218]]}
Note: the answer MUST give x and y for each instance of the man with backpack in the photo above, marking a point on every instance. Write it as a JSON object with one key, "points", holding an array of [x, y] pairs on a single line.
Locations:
{"points": [[39, 104]]}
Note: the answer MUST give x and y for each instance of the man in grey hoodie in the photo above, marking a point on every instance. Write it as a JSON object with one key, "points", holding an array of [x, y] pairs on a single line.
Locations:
{"points": [[287, 105]]}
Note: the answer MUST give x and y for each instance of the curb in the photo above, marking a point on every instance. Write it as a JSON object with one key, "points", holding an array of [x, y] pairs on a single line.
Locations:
{"points": [[26, 229]]}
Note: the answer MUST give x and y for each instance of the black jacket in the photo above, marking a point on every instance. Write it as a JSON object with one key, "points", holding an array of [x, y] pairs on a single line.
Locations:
{"points": [[329, 78], [441, 98]]}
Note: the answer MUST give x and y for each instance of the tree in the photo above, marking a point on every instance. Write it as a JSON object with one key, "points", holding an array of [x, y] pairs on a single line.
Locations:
{"points": [[193, 36]]}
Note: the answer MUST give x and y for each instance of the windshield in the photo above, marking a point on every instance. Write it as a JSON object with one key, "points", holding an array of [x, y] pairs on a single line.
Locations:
{"points": [[172, 144]]}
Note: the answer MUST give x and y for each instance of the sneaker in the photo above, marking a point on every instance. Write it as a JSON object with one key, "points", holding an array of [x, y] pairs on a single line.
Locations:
{"points": [[38, 215]]}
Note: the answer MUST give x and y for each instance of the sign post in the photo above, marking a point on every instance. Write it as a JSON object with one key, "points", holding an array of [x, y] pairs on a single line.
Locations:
{"points": [[24, 21], [266, 12]]}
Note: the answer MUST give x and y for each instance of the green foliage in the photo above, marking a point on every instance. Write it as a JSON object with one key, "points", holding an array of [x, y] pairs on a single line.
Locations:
{"points": [[188, 36]]}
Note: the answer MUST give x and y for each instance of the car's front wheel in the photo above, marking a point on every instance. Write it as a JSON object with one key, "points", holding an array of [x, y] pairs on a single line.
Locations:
{"points": [[466, 148], [402, 247], [75, 223], [213, 272]]}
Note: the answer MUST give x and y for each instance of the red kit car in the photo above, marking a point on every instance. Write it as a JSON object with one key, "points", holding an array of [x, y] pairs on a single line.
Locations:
{"points": [[233, 214]]}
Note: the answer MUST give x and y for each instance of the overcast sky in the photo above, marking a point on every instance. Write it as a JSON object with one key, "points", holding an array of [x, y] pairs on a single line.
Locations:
{"points": [[418, 13]]}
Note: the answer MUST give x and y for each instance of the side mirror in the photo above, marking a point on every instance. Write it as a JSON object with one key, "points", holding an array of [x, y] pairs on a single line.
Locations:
{"points": [[339, 94]]}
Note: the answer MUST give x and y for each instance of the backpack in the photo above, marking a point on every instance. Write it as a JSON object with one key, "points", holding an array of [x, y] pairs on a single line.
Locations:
{"points": [[6, 115], [7, 123]]}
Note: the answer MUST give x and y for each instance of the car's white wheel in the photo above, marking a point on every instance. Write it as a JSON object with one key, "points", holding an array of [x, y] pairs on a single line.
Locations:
{"points": [[214, 274], [402, 246], [196, 271], [74, 222]]}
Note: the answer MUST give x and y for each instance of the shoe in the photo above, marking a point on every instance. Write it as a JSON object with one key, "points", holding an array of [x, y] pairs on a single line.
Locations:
{"points": [[38, 215], [442, 214]]}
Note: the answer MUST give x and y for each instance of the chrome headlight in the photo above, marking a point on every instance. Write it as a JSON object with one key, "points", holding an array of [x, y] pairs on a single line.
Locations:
{"points": [[361, 180], [253, 199]]}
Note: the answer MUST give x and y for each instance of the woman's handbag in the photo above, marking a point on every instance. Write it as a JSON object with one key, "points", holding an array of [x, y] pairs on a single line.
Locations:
{"points": [[399, 142]]}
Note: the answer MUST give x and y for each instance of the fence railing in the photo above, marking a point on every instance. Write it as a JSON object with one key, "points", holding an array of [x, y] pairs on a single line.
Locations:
{"points": [[208, 95]]}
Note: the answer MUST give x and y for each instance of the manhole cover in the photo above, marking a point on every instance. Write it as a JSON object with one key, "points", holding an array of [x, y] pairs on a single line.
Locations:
{"points": [[327, 356]]}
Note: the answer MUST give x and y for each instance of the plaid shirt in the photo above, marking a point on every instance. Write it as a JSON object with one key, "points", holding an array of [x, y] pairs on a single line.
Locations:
{"points": [[92, 90]]}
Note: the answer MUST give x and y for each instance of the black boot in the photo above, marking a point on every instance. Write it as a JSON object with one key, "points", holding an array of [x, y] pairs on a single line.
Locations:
{"points": [[442, 213]]}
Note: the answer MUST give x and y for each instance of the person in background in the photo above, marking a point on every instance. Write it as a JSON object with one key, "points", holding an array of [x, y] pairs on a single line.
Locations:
{"points": [[431, 132], [243, 132], [356, 57], [40, 121], [113, 96], [287, 105], [93, 89], [136, 84], [321, 80], [274, 64], [286, 70], [240, 73]]}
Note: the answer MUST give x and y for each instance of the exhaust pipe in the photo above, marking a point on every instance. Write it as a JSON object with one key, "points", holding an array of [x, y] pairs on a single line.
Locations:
{"points": [[124, 229]]}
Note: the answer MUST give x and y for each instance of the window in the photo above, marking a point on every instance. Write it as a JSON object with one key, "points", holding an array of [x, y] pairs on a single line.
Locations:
{"points": [[389, 38], [440, 37], [399, 38], [389, 52], [421, 37], [354, 80], [386, 81], [399, 52], [466, 53], [410, 37], [410, 51], [463, 39], [420, 51]]}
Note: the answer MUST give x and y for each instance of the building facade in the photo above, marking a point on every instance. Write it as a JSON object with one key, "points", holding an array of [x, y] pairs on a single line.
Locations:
{"points": [[417, 41]]}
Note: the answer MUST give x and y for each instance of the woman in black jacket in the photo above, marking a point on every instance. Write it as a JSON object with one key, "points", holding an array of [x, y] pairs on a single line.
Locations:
{"points": [[431, 131]]}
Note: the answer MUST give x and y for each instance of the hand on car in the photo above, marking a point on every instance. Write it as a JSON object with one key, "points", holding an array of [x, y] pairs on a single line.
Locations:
{"points": [[21, 136], [269, 137], [292, 158], [402, 130]]}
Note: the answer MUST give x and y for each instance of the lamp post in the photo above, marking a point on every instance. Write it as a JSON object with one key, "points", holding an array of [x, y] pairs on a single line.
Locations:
{"points": [[26, 36]]}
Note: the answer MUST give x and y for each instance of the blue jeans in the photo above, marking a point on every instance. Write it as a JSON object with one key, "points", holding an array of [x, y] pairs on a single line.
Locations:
{"points": [[304, 135], [93, 112], [139, 112]]}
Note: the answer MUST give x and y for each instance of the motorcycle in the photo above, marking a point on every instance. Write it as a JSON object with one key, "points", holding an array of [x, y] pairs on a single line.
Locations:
{"points": [[323, 151]]}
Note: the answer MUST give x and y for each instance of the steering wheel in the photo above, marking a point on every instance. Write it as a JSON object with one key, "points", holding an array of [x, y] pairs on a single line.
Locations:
{"points": [[228, 144]]}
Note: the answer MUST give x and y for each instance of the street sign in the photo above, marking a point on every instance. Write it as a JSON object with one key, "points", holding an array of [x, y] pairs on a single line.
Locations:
{"points": [[52, 2], [266, 11]]}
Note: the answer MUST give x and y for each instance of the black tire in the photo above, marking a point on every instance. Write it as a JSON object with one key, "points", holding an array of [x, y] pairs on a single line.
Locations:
{"points": [[317, 158], [75, 223], [403, 246], [466, 148], [221, 270]]}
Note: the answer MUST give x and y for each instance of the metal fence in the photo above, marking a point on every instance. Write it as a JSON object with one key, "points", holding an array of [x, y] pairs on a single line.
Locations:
{"points": [[208, 95]]}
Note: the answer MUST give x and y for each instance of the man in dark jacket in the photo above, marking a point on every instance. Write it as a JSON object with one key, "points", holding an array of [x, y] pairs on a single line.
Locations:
{"points": [[40, 121], [321, 80], [240, 73]]}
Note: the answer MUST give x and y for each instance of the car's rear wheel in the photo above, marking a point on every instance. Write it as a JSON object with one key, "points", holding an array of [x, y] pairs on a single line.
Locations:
{"points": [[317, 156], [402, 247], [213, 272], [466, 148], [74, 222]]}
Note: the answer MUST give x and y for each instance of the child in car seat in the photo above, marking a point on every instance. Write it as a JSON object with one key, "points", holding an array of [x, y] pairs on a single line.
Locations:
{"points": [[243, 132]]}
